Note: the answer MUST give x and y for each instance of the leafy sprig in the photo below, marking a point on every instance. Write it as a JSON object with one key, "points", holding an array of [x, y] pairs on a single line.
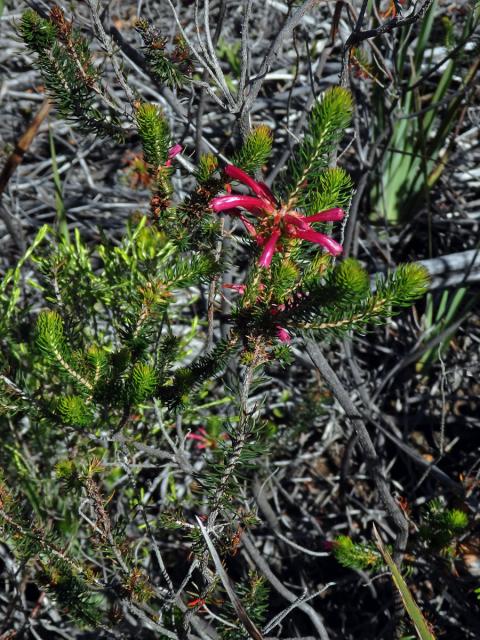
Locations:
{"points": [[255, 151], [64, 59], [326, 126], [357, 555], [170, 65]]}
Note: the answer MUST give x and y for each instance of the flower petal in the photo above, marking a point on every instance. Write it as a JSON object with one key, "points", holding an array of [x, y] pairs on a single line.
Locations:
{"points": [[174, 151], [269, 249], [330, 215], [224, 203], [248, 226], [238, 288], [259, 188], [268, 194], [283, 335], [330, 244], [194, 436], [297, 221]]}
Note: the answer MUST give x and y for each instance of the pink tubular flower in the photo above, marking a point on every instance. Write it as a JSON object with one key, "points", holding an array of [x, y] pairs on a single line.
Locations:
{"points": [[282, 334], [172, 152], [269, 250], [202, 437], [248, 225], [275, 221], [330, 215], [320, 238], [238, 288], [259, 188], [254, 205]]}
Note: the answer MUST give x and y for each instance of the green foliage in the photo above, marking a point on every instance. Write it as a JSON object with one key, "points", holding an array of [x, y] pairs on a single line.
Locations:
{"points": [[230, 51], [185, 273], [441, 526], [207, 165], [405, 285], [456, 520], [442, 310], [190, 226], [255, 151], [10, 284], [138, 587], [72, 593], [448, 26], [357, 555], [39, 34], [74, 411], [50, 340], [333, 188], [254, 596], [114, 352], [285, 279], [283, 354], [154, 133], [143, 381], [359, 307], [187, 379], [68, 473], [315, 270], [327, 122], [351, 282], [70, 77], [58, 574], [86, 371], [49, 334], [420, 142], [155, 136], [170, 67], [231, 462], [97, 363], [61, 218], [331, 301], [416, 616]]}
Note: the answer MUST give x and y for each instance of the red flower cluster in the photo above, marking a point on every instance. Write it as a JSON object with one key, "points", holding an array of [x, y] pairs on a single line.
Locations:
{"points": [[275, 220]]}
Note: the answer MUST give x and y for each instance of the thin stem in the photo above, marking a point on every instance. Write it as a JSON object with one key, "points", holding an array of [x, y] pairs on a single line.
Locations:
{"points": [[212, 290], [245, 52], [241, 434], [264, 568], [373, 461], [214, 58], [107, 45], [202, 101], [284, 33], [204, 62]]}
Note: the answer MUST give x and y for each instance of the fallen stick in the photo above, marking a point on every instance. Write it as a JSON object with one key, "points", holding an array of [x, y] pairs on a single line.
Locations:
{"points": [[23, 144]]}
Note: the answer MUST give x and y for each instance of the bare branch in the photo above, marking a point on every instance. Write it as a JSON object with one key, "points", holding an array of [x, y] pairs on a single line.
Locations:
{"points": [[333, 382], [250, 626], [284, 33], [264, 568], [357, 36]]}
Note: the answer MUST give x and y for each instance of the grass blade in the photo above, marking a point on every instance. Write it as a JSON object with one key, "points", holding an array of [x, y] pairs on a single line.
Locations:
{"points": [[62, 225], [411, 606]]}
